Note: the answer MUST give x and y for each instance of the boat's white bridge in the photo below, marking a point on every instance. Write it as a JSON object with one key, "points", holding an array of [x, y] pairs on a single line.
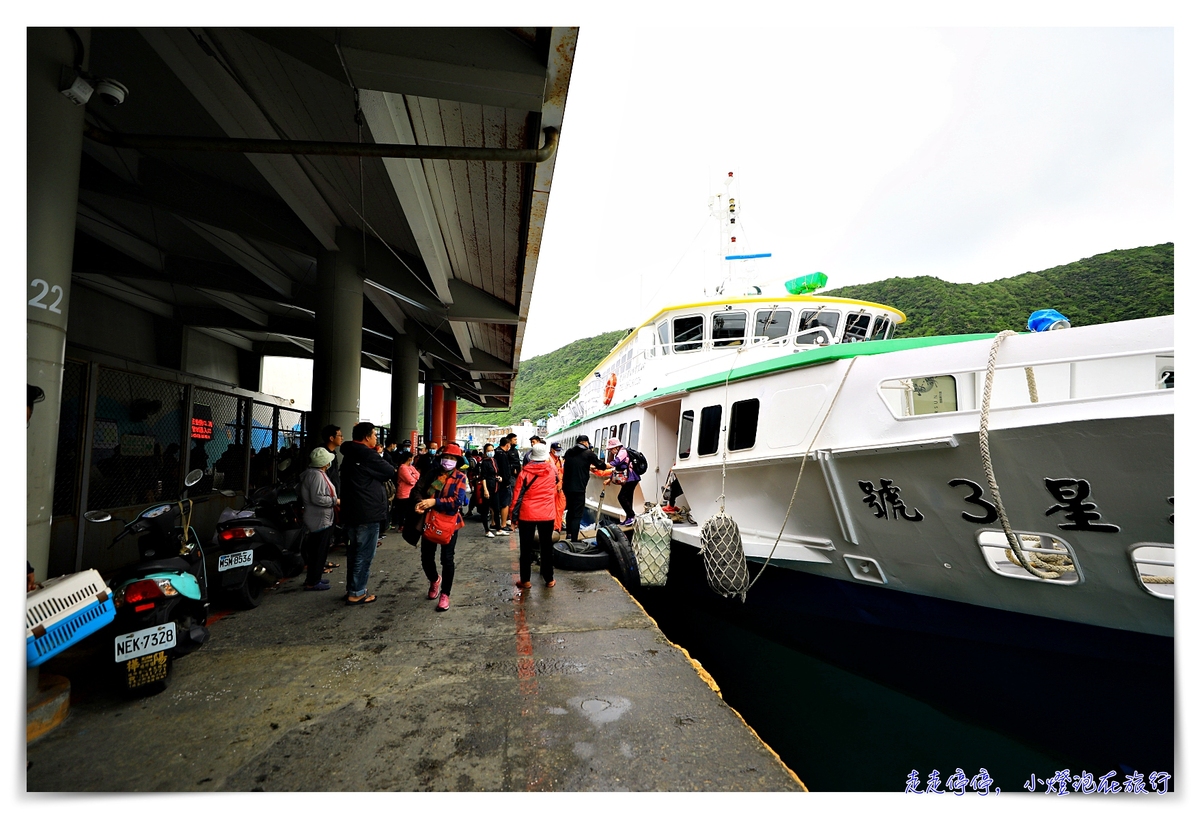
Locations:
{"points": [[689, 341]]}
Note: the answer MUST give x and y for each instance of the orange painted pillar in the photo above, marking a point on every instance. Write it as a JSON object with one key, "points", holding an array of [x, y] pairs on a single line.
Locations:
{"points": [[435, 416], [449, 416]]}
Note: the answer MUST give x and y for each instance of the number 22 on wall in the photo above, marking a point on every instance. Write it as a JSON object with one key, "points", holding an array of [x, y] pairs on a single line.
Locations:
{"points": [[37, 300]]}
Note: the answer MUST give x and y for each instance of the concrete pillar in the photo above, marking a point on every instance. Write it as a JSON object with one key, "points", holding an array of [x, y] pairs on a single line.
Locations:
{"points": [[436, 438], [337, 347], [405, 373], [54, 141], [449, 414]]}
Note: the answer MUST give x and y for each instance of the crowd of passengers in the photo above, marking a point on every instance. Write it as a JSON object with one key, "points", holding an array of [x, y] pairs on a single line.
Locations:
{"points": [[427, 495]]}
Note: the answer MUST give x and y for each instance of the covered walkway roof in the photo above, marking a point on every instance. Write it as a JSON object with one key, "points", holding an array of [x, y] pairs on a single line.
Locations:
{"points": [[227, 242]]}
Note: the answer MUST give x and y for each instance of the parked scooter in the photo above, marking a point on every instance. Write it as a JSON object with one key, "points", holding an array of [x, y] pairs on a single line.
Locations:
{"points": [[162, 599], [259, 545]]}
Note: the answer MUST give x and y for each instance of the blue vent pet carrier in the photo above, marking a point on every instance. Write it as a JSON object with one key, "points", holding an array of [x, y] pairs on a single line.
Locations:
{"points": [[64, 611]]}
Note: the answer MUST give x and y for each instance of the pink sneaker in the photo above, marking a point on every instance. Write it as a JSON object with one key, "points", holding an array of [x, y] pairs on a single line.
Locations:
{"points": [[434, 587], [443, 602]]}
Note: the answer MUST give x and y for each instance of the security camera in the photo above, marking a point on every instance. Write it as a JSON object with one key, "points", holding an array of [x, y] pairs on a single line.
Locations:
{"points": [[111, 92]]}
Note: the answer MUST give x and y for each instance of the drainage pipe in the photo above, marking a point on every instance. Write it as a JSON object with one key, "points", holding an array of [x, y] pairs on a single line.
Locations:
{"points": [[313, 148]]}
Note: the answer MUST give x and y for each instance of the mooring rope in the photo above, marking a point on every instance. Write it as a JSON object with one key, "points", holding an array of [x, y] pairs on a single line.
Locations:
{"points": [[989, 470]]}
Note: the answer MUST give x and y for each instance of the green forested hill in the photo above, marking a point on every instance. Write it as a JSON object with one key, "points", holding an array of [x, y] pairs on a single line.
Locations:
{"points": [[1115, 286], [1120, 285]]}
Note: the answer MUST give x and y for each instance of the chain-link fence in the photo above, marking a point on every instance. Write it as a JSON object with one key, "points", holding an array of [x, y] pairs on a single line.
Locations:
{"points": [[138, 439], [292, 458], [140, 450], [218, 440], [263, 442], [70, 431]]}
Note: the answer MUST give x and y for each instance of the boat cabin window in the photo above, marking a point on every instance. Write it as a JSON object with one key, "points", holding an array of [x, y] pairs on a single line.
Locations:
{"points": [[621, 433], [685, 434], [710, 430], [728, 329], [634, 428], [856, 327], [743, 424], [882, 329], [811, 320], [689, 333], [664, 338], [772, 324]]}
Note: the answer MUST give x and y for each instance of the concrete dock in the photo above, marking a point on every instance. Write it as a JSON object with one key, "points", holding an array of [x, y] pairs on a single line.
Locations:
{"points": [[571, 688]]}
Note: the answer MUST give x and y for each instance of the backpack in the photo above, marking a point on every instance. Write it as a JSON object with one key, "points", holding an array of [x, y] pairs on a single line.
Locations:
{"points": [[637, 460]]}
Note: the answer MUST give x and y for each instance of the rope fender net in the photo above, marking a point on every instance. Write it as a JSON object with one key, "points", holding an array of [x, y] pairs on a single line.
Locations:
{"points": [[652, 545], [724, 557]]}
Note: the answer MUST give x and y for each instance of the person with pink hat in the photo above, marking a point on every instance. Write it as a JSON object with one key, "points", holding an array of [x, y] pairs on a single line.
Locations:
{"points": [[624, 475], [443, 487]]}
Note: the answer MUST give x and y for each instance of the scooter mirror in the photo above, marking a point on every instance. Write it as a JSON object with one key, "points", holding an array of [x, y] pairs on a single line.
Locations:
{"points": [[193, 477], [97, 516]]}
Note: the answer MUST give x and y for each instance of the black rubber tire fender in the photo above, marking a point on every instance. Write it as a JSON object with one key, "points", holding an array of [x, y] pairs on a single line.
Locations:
{"points": [[624, 563], [588, 558]]}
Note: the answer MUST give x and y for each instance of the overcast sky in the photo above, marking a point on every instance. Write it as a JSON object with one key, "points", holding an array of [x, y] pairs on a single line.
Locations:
{"points": [[966, 154]]}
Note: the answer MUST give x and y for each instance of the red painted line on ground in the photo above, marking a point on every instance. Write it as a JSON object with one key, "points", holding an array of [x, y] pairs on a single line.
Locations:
{"points": [[527, 682]]}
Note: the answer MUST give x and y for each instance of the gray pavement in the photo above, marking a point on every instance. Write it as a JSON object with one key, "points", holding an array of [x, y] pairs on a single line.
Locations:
{"points": [[571, 688]]}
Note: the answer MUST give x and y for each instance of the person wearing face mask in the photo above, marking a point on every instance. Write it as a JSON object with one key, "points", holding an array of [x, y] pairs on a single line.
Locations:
{"points": [[489, 488], [442, 487]]}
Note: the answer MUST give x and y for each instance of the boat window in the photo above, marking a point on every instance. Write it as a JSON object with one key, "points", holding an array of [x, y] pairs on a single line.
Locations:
{"points": [[710, 430], [689, 333], [634, 427], [685, 434], [664, 338], [729, 329], [772, 324], [810, 319], [621, 433], [743, 424], [921, 396], [933, 395], [882, 329], [856, 327]]}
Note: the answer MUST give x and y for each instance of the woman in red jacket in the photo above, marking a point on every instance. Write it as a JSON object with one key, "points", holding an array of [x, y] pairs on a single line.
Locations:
{"points": [[533, 509]]}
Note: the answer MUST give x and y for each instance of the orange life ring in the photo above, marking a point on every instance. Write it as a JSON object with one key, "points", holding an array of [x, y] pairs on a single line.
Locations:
{"points": [[610, 388]]}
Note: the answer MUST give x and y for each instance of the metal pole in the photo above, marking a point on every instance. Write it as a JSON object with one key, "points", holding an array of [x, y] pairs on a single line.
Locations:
{"points": [[89, 434]]}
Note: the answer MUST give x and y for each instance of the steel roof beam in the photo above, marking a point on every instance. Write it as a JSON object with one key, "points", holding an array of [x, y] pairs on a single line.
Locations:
{"points": [[237, 114], [487, 66]]}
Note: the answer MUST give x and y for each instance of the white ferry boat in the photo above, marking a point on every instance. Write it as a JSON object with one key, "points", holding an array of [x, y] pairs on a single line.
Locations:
{"points": [[846, 454]]}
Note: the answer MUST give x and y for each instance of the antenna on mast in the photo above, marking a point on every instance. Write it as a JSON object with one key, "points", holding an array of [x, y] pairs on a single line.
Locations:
{"points": [[736, 279]]}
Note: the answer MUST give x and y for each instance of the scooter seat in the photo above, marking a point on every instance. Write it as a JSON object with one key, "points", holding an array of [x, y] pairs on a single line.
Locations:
{"points": [[172, 565]]}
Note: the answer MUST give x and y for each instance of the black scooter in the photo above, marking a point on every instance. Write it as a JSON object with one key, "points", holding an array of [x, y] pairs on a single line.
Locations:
{"points": [[161, 600], [259, 545]]}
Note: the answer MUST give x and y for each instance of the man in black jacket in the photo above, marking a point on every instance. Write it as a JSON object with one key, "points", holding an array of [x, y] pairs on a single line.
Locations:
{"points": [[364, 504], [577, 465], [506, 476]]}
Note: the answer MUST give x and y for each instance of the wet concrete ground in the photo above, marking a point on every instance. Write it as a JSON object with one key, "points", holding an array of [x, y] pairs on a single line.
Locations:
{"points": [[571, 688]]}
